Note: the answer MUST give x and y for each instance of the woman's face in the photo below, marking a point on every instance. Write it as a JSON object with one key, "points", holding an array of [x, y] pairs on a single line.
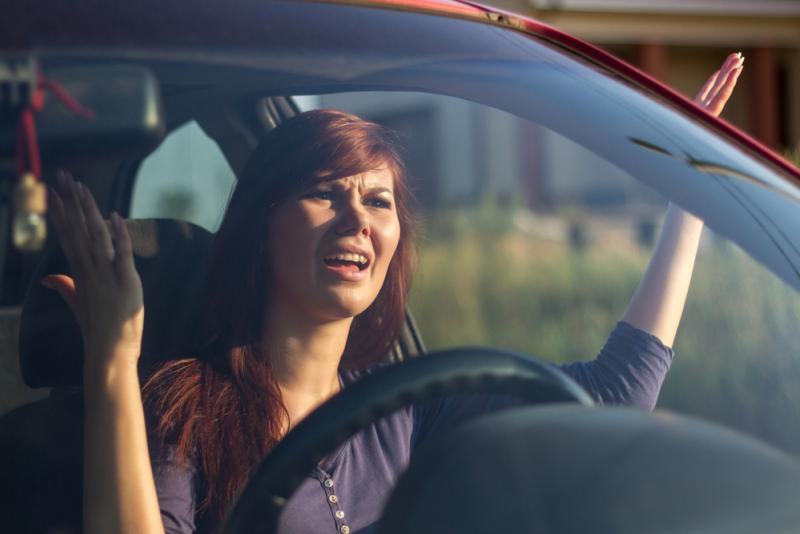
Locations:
{"points": [[331, 245]]}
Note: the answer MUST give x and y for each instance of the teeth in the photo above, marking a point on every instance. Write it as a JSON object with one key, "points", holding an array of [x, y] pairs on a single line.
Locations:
{"points": [[356, 258]]}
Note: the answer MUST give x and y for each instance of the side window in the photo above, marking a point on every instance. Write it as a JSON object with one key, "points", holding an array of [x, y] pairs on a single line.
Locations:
{"points": [[535, 243], [186, 178]]}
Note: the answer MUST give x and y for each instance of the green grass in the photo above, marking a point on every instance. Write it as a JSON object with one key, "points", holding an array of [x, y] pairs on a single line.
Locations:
{"points": [[481, 282]]}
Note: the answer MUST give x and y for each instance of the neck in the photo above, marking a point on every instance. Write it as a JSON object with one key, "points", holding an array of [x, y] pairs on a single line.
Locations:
{"points": [[305, 356]]}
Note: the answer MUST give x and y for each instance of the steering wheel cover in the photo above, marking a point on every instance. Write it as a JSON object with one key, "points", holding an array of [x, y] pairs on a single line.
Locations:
{"points": [[460, 370]]}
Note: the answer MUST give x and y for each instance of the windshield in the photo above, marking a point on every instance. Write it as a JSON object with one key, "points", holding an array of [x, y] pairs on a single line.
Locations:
{"points": [[533, 242], [541, 180], [527, 77], [559, 158]]}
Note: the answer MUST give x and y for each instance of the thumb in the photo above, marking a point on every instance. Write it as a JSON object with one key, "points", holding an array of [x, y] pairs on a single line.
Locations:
{"points": [[64, 286]]}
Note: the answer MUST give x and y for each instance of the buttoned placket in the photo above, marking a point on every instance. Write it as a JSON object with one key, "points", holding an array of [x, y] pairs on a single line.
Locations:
{"points": [[329, 486]]}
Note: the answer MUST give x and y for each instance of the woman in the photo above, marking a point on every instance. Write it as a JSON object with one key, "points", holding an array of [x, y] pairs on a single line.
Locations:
{"points": [[311, 267]]}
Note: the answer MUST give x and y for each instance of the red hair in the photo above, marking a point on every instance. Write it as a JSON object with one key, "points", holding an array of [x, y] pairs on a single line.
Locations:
{"points": [[222, 410]]}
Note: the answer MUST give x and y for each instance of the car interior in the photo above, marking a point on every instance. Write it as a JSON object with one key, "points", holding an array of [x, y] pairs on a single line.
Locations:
{"points": [[169, 255], [564, 467]]}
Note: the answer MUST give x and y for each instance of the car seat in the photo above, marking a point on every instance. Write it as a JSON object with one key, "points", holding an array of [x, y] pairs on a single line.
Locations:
{"points": [[41, 442]]}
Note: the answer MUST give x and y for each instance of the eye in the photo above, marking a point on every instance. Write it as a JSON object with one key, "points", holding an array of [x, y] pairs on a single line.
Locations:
{"points": [[377, 202], [321, 194]]}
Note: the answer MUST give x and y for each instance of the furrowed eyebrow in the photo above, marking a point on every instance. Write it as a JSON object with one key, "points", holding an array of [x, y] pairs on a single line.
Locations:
{"points": [[379, 190], [332, 185]]}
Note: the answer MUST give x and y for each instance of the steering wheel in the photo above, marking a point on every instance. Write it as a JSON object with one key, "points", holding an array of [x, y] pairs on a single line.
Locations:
{"points": [[466, 370]]}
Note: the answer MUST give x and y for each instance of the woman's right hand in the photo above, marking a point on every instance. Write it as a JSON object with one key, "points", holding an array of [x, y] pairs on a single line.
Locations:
{"points": [[105, 292]]}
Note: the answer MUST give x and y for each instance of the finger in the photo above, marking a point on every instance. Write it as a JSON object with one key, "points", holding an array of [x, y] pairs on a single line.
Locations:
{"points": [[64, 286], [123, 259], [101, 247], [731, 62], [68, 189], [703, 93], [717, 103], [55, 209], [74, 236], [59, 221]]}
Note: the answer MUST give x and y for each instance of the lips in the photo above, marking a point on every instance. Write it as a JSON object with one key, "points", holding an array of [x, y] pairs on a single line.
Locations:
{"points": [[348, 254], [348, 263], [359, 261]]}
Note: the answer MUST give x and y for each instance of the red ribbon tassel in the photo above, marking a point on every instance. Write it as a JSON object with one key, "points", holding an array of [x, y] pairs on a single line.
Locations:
{"points": [[28, 156]]}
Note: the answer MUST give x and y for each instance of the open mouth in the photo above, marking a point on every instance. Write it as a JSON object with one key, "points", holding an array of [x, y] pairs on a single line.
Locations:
{"points": [[347, 260]]}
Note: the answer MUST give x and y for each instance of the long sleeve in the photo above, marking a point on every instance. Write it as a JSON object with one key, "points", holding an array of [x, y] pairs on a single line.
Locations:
{"points": [[628, 371], [175, 487]]}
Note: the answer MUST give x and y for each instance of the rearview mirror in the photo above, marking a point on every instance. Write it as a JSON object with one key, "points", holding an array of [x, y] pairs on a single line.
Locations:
{"points": [[124, 102]]}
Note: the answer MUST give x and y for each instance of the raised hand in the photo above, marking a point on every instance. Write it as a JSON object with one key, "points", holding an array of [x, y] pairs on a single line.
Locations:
{"points": [[717, 90], [105, 292], [657, 305]]}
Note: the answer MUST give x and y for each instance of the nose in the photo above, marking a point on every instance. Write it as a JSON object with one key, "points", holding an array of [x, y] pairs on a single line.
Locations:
{"points": [[353, 220]]}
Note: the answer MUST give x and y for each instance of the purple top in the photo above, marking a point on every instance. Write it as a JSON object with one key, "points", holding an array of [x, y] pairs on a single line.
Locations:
{"points": [[351, 486]]}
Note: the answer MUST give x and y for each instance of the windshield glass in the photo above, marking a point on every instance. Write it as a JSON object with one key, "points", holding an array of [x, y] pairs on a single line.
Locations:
{"points": [[526, 76], [533, 242], [541, 181]]}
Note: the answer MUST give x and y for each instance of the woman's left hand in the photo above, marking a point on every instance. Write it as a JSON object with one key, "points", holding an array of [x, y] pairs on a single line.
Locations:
{"points": [[657, 305], [717, 90]]}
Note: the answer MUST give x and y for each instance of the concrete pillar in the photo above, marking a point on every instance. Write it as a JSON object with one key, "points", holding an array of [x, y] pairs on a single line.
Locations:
{"points": [[764, 121], [652, 59], [793, 98]]}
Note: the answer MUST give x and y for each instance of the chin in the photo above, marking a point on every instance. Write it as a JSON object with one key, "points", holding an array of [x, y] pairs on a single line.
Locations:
{"points": [[343, 307]]}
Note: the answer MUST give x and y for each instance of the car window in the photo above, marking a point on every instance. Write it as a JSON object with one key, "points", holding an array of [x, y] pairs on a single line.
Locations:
{"points": [[186, 178], [533, 242]]}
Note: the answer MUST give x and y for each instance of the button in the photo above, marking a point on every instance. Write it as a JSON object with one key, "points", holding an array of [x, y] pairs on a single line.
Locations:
{"points": [[328, 483], [334, 499], [345, 529], [339, 514]]}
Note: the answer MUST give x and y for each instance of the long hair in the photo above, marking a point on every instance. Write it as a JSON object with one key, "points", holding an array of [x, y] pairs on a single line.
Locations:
{"points": [[221, 410]]}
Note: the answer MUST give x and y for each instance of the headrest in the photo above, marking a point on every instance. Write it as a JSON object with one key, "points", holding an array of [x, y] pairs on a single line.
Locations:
{"points": [[170, 258]]}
